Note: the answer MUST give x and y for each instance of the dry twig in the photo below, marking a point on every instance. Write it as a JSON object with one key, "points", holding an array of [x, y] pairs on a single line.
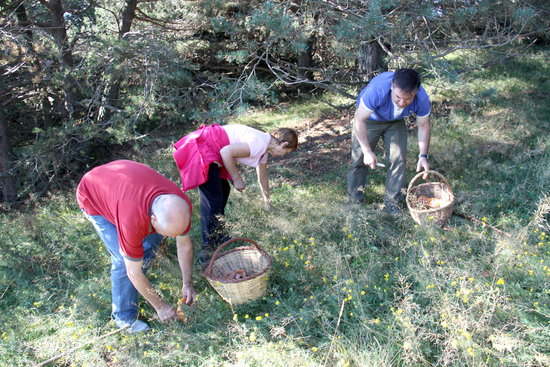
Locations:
{"points": [[53, 359], [475, 220]]}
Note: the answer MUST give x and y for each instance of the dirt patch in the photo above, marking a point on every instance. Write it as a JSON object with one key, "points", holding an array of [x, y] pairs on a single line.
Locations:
{"points": [[324, 144]]}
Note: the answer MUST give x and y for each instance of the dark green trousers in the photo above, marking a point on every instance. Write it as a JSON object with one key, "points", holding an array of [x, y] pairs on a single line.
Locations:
{"points": [[394, 136]]}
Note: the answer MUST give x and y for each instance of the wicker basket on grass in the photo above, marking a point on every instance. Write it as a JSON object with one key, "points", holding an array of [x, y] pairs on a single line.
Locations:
{"points": [[430, 203], [241, 274]]}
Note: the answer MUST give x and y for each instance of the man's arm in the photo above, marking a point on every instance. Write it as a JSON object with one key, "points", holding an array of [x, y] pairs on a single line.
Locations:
{"points": [[360, 128], [423, 124], [185, 258], [229, 153], [164, 311], [263, 180]]}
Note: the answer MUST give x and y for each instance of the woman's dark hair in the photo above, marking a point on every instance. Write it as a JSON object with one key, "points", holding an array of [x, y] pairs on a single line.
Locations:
{"points": [[286, 135], [407, 80]]}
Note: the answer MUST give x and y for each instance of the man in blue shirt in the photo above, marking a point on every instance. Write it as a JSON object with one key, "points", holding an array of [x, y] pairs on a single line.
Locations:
{"points": [[381, 109]]}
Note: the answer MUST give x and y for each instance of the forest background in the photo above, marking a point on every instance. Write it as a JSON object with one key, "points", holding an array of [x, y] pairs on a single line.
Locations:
{"points": [[86, 82]]}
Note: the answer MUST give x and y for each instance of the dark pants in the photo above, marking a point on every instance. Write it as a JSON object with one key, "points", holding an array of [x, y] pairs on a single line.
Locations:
{"points": [[213, 195], [394, 135]]}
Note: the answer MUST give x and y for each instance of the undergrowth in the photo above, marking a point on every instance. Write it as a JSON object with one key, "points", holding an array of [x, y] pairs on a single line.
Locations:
{"points": [[349, 285]]}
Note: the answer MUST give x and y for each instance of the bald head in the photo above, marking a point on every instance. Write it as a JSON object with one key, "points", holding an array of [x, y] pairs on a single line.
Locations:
{"points": [[170, 215]]}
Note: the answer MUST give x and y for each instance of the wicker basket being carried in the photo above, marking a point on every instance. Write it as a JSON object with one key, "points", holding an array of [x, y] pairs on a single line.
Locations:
{"points": [[241, 274], [430, 203]]}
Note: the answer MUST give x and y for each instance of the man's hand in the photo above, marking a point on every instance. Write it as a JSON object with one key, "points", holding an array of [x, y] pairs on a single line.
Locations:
{"points": [[188, 294], [423, 163], [166, 313], [370, 160]]}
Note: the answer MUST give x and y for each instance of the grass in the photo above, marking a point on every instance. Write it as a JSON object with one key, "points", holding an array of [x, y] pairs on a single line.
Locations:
{"points": [[350, 286]]}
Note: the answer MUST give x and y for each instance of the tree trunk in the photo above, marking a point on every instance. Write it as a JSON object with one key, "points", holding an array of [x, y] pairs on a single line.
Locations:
{"points": [[305, 59], [46, 106], [6, 180], [128, 15], [112, 89], [23, 21], [370, 60], [59, 33]]}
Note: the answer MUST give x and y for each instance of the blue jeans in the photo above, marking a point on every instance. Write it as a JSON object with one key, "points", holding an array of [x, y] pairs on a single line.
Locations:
{"points": [[123, 293]]}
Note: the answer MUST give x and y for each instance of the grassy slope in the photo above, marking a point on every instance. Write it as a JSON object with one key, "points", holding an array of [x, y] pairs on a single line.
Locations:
{"points": [[349, 287]]}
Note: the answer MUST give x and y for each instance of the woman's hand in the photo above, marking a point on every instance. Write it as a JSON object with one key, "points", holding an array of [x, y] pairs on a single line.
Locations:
{"points": [[268, 207], [239, 184]]}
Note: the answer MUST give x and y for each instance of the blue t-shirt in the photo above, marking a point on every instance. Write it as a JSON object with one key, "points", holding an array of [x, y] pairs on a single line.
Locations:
{"points": [[376, 96]]}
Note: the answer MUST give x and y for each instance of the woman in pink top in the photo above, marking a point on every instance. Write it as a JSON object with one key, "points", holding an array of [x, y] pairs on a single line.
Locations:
{"points": [[207, 159]]}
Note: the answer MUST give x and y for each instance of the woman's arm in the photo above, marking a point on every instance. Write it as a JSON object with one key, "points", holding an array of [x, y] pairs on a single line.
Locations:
{"points": [[263, 180], [229, 154]]}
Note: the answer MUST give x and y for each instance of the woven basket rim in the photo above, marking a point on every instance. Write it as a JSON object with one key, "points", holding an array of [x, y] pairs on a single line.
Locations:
{"points": [[432, 210], [248, 277]]}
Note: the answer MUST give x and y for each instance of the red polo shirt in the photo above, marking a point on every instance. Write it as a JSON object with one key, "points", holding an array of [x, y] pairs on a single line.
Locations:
{"points": [[122, 192]]}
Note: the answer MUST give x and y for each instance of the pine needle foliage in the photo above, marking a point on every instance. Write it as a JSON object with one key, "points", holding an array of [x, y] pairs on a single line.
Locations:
{"points": [[350, 286]]}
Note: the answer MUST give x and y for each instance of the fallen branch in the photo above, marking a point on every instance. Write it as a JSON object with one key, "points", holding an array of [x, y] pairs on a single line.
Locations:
{"points": [[475, 220], [53, 359], [335, 331]]}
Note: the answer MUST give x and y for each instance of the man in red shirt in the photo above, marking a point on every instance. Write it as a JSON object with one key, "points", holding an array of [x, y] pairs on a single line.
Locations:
{"points": [[132, 208]]}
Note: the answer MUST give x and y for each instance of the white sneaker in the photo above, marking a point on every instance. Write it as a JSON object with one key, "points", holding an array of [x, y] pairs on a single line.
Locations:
{"points": [[137, 326]]}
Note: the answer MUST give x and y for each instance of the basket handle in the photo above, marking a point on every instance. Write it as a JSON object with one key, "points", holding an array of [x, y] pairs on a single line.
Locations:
{"points": [[222, 246], [429, 172]]}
